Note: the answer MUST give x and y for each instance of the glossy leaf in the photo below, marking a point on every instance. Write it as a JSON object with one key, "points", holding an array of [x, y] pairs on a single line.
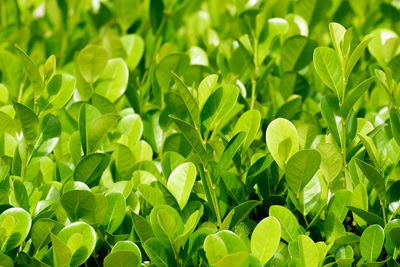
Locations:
{"points": [[290, 227], [81, 239], [282, 140], [32, 72], [374, 178], [371, 242], [328, 67], [91, 61], [181, 181], [115, 212], [91, 167], [15, 224], [249, 122], [300, 168], [265, 238], [29, 121]]}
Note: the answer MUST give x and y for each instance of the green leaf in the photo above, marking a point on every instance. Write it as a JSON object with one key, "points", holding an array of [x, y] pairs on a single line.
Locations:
{"points": [[114, 80], [122, 14], [383, 45], [7, 124], [21, 195], [265, 239], [169, 161], [371, 242], [218, 105], [206, 88], [230, 151], [127, 245], [390, 247], [151, 195], [99, 128], [79, 204], [215, 248], [241, 211], [6, 261], [193, 137], [249, 122], [82, 123], [198, 56], [329, 108], [374, 177], [369, 145], [62, 253], [290, 227], [159, 253], [355, 56], [369, 217], [91, 62], [395, 236], [337, 204], [91, 167], [300, 168], [394, 123], [41, 230], [337, 33], [297, 52], [234, 260], [11, 72], [190, 103], [29, 121], [15, 224], [142, 227], [308, 250], [72, 234], [167, 223], [190, 226], [156, 14], [331, 160], [161, 225], [31, 70], [49, 69], [282, 140], [121, 258], [354, 95], [176, 63], [134, 46], [181, 181], [115, 212], [327, 65], [359, 199]]}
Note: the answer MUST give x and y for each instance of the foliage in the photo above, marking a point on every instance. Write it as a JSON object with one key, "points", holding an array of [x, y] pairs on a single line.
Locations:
{"points": [[199, 133]]}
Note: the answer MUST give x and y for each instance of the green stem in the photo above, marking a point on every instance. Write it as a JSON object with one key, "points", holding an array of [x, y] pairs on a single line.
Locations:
{"points": [[254, 78], [396, 253], [383, 211], [253, 92], [214, 198], [305, 219]]}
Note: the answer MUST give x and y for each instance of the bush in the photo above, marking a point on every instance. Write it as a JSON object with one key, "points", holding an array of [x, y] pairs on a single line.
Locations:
{"points": [[199, 133]]}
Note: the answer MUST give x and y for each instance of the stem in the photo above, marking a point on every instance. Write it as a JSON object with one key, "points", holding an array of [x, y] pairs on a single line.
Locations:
{"points": [[396, 253], [214, 198], [383, 211], [344, 142], [26, 162], [254, 78], [214, 131], [305, 219], [21, 90], [253, 92]]}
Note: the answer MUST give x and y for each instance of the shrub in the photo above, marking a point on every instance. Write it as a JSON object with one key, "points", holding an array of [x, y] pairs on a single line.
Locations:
{"points": [[199, 133]]}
